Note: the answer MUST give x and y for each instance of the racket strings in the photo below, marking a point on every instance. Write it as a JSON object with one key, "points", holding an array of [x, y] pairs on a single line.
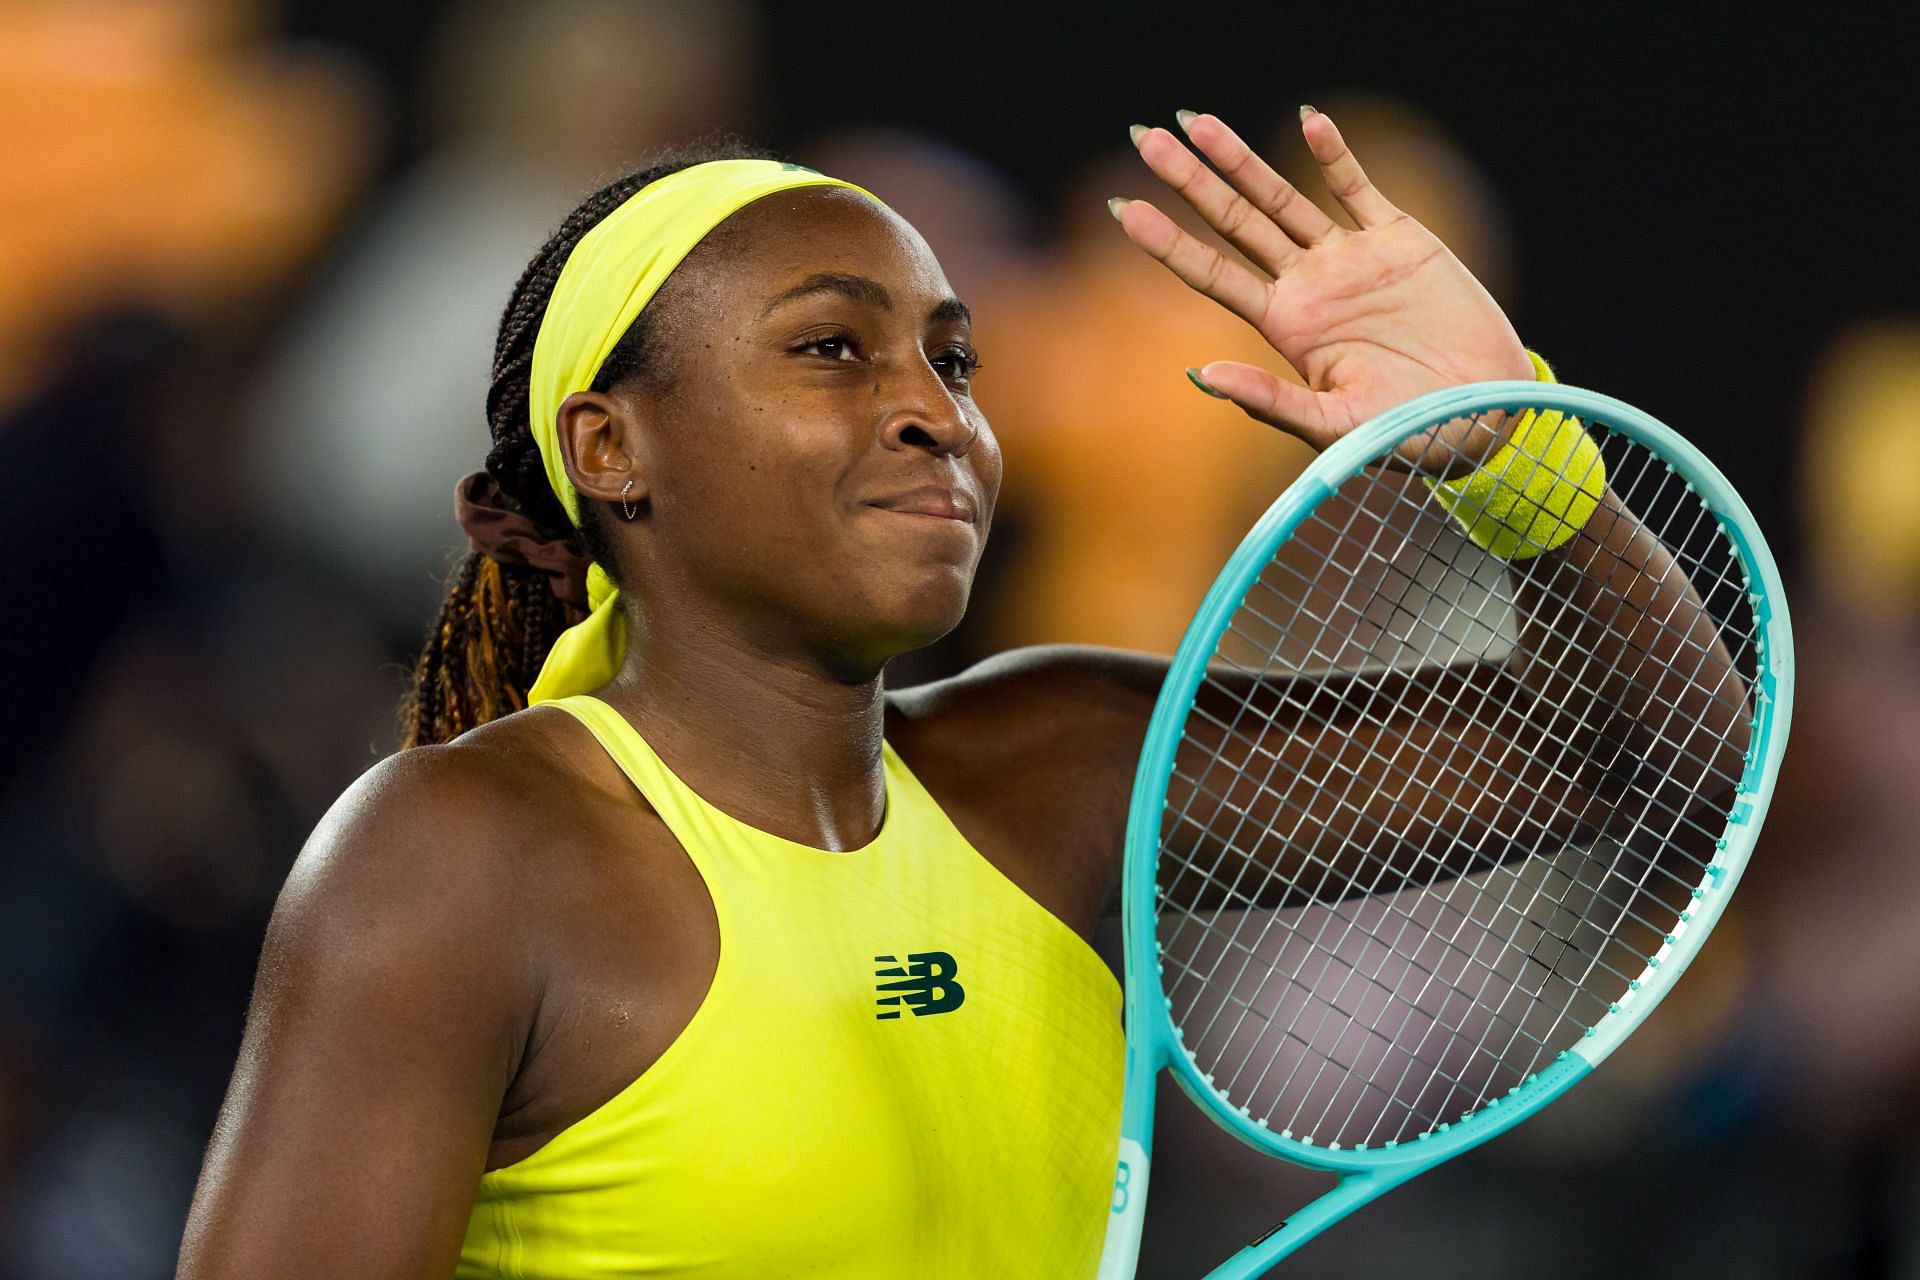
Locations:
{"points": [[1365, 714], [1717, 694], [1333, 764], [1379, 980], [1535, 950]]}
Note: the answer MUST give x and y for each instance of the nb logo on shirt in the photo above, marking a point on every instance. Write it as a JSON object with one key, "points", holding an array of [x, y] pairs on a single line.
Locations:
{"points": [[925, 985]]}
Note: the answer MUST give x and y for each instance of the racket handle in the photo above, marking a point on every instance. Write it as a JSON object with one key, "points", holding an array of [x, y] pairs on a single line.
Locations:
{"points": [[1129, 1213]]}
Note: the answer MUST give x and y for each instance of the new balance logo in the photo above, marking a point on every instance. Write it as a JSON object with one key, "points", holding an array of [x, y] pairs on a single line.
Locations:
{"points": [[925, 985]]}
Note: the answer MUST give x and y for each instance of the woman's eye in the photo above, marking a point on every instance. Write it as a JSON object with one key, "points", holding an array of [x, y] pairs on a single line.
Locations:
{"points": [[833, 347], [959, 363]]}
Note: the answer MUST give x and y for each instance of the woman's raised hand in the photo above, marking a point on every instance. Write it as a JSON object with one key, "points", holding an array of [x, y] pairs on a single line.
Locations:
{"points": [[1369, 318]]}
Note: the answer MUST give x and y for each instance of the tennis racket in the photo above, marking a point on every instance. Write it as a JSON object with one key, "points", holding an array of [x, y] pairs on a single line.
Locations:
{"points": [[1419, 835]]}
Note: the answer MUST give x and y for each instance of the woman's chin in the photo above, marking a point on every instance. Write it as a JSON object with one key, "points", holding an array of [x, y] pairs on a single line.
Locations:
{"points": [[916, 618], [939, 603]]}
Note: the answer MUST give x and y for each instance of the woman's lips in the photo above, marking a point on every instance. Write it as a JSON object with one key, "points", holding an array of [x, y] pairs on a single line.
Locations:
{"points": [[943, 504]]}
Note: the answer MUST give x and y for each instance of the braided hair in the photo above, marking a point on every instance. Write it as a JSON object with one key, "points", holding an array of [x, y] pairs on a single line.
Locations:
{"points": [[499, 621]]}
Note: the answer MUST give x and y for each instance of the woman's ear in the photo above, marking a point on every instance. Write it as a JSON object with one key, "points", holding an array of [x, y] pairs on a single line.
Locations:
{"points": [[604, 443]]}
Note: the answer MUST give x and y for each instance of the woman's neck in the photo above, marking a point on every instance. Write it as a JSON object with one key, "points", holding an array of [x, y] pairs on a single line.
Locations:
{"points": [[777, 741]]}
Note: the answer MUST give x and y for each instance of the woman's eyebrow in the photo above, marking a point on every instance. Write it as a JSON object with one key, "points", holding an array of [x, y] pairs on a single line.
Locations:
{"points": [[858, 288], [866, 291]]}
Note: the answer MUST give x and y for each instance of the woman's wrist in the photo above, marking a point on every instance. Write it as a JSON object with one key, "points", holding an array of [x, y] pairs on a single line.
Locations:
{"points": [[1538, 488]]}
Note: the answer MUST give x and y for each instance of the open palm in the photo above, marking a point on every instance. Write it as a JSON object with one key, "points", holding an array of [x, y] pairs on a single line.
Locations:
{"points": [[1369, 318]]}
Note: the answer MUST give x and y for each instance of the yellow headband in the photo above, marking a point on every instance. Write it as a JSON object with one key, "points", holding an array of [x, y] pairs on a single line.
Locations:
{"points": [[609, 278]]}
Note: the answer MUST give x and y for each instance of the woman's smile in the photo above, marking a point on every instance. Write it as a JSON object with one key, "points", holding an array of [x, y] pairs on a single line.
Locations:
{"points": [[936, 501]]}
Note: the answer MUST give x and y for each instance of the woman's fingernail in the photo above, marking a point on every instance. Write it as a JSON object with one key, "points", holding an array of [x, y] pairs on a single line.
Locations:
{"points": [[1193, 376], [1308, 109], [1136, 132], [1186, 118], [1115, 205]]}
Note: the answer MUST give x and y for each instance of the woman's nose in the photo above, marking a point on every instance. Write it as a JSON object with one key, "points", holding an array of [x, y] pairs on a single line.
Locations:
{"points": [[929, 417]]}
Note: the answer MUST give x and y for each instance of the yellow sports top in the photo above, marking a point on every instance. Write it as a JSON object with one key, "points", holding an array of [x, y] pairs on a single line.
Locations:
{"points": [[905, 1067]]}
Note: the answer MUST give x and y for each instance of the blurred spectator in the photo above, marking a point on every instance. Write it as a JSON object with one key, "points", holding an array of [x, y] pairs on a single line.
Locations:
{"points": [[1859, 452], [169, 169], [172, 168], [972, 216], [1128, 485], [1849, 807], [374, 405], [160, 155]]}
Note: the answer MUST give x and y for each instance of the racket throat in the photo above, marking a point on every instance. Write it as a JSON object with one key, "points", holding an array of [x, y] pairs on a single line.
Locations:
{"points": [[1127, 1213], [1297, 1228]]}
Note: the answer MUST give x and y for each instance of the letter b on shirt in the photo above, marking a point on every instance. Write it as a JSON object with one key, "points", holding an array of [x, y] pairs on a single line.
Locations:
{"points": [[925, 984]]}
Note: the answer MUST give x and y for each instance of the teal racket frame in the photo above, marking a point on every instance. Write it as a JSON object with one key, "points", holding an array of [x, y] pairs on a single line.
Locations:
{"points": [[1154, 1042]]}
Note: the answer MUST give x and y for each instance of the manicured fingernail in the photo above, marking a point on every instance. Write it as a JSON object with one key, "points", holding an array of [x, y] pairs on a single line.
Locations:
{"points": [[1308, 109], [1193, 376], [1115, 205], [1186, 118], [1136, 132]]}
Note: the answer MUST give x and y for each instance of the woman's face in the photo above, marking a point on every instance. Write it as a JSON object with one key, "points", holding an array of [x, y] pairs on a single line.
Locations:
{"points": [[818, 461]]}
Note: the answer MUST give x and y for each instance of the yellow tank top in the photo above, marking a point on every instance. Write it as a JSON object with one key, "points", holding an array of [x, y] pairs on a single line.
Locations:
{"points": [[904, 1067]]}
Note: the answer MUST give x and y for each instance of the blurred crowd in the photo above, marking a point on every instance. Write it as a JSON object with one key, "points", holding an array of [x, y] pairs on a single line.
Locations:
{"points": [[247, 301]]}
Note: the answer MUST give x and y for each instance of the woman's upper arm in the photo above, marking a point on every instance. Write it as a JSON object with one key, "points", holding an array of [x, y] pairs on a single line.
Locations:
{"points": [[1070, 722], [388, 1017]]}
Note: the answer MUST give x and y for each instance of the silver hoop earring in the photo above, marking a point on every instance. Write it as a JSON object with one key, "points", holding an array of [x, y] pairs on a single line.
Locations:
{"points": [[625, 506]]}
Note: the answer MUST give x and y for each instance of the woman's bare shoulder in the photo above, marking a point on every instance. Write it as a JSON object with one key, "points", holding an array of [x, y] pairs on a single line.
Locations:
{"points": [[507, 778], [399, 993], [456, 799], [466, 830]]}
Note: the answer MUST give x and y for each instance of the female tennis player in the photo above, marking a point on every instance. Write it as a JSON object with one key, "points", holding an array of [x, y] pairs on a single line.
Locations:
{"points": [[674, 945]]}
